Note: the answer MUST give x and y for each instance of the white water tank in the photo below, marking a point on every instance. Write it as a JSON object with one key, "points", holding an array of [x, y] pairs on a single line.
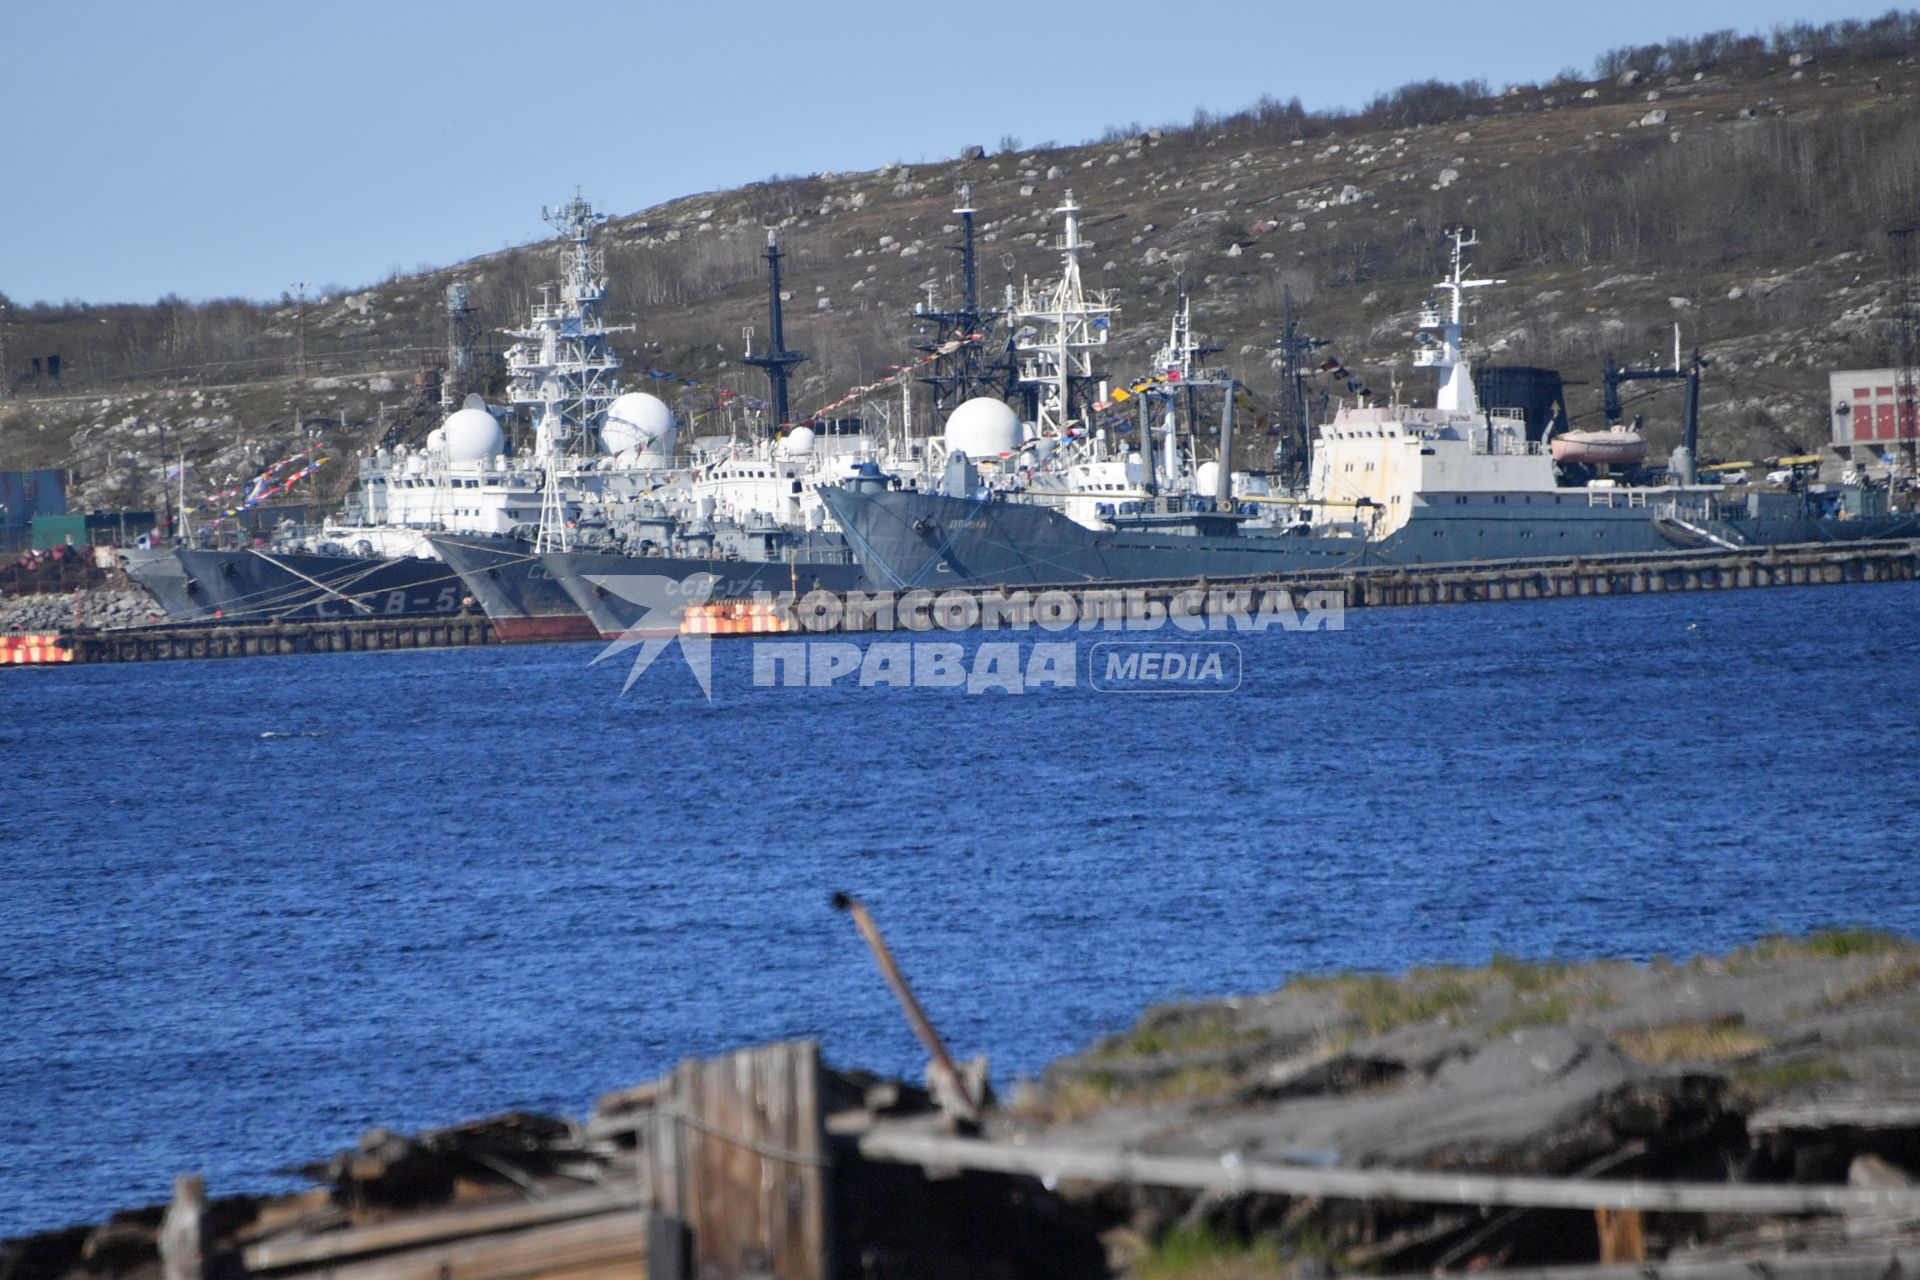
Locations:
{"points": [[470, 433], [798, 442], [983, 428], [637, 420]]}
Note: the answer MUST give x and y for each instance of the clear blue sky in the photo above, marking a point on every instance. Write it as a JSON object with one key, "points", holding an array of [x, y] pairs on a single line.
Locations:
{"points": [[215, 147]]}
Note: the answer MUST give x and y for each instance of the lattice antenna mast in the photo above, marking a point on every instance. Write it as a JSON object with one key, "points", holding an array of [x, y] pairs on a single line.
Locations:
{"points": [[563, 370], [463, 341], [958, 342], [1295, 348], [1067, 326], [776, 360]]}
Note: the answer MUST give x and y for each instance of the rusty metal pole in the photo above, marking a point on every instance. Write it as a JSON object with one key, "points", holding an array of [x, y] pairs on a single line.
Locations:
{"points": [[916, 1016]]}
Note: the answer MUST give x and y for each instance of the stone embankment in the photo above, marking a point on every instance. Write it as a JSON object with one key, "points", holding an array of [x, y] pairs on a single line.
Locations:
{"points": [[119, 607]]}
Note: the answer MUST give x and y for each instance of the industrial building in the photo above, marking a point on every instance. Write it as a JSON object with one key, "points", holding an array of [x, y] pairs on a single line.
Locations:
{"points": [[1873, 419]]}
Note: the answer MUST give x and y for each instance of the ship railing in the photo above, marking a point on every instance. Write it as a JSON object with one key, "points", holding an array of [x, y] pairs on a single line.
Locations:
{"points": [[1671, 508], [1508, 448]]}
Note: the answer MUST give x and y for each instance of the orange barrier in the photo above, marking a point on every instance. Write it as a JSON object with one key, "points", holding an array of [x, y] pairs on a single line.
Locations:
{"points": [[33, 650], [735, 618]]}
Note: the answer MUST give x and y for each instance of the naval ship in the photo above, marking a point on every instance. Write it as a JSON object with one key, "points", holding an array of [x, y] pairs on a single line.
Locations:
{"points": [[1388, 485], [379, 556], [747, 518]]}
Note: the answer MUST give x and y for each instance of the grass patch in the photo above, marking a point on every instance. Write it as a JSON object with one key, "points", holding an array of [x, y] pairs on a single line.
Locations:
{"points": [[1201, 1253], [1553, 1011], [1892, 975], [1529, 975], [1073, 1099], [1188, 1083], [1170, 1030], [1097, 1090], [1795, 1073], [1383, 1004], [1709, 1040], [1825, 944]]}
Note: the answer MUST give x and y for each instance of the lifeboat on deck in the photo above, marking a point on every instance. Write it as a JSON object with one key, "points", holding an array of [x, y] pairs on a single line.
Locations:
{"points": [[1599, 448]]}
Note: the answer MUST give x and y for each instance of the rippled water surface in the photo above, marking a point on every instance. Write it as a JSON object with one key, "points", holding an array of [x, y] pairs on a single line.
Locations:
{"points": [[253, 907]]}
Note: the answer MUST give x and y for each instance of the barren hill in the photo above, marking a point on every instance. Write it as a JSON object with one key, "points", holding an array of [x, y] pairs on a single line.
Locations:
{"points": [[1741, 189]]}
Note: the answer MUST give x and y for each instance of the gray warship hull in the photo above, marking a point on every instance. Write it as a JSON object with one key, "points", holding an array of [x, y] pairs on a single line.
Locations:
{"points": [[590, 578], [507, 579], [909, 540], [254, 584]]}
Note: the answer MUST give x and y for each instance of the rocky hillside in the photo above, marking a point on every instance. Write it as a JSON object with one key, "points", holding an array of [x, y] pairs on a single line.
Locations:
{"points": [[1741, 190]]}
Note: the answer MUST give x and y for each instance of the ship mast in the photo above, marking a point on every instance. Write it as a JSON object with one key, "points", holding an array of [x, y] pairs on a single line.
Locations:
{"points": [[563, 370], [776, 360], [1456, 394], [958, 370], [1063, 326], [1295, 420], [1179, 362]]}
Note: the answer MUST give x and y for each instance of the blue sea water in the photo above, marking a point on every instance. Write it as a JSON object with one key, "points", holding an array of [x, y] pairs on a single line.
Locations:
{"points": [[251, 908]]}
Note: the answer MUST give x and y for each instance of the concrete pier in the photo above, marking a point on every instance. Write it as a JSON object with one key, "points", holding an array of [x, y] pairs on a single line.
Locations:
{"points": [[1357, 587], [1366, 586], [253, 640]]}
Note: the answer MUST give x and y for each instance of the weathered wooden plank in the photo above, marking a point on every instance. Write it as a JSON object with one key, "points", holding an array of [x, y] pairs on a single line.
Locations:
{"points": [[739, 1157], [1838, 1113], [412, 1232], [608, 1245], [182, 1231], [1044, 1161], [809, 1134], [1623, 1235]]}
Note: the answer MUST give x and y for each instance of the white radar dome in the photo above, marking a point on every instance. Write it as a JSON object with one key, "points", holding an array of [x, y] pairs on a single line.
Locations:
{"points": [[636, 420], [437, 438], [1206, 479], [983, 428], [471, 433], [798, 443]]}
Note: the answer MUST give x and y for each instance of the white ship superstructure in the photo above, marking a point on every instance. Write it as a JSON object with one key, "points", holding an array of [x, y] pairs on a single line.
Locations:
{"points": [[461, 482], [1370, 462], [593, 443], [780, 479], [1088, 478]]}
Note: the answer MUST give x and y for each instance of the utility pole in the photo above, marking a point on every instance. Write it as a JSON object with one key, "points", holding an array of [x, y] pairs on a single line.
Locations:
{"points": [[166, 511], [1906, 420], [300, 329]]}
